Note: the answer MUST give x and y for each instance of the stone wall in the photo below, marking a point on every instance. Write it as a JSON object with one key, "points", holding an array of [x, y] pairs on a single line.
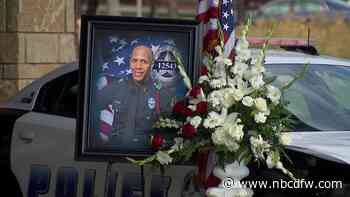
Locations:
{"points": [[36, 36]]}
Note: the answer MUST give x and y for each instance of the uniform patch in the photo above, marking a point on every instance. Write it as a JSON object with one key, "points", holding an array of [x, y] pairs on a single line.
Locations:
{"points": [[151, 103]]}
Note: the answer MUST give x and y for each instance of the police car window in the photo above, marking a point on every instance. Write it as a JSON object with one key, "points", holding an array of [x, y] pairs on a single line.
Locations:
{"points": [[318, 101], [59, 96]]}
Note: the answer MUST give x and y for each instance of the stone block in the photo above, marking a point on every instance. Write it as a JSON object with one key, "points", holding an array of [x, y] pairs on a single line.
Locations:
{"points": [[42, 48], [67, 51], [2, 15], [23, 83], [8, 88], [70, 16], [36, 15], [27, 71], [12, 47]]}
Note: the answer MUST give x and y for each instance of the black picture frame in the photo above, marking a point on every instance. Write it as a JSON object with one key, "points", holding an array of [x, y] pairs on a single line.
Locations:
{"points": [[103, 39]]}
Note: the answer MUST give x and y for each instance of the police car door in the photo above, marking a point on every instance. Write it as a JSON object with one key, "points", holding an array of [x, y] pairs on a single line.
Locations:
{"points": [[42, 155], [42, 148]]}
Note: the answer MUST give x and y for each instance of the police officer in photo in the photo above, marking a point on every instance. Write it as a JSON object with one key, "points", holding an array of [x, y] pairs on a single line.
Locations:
{"points": [[130, 105]]}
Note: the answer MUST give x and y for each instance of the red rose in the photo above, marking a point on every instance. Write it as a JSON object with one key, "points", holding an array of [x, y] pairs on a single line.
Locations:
{"points": [[202, 107], [196, 90], [157, 141], [204, 70], [180, 108], [187, 112], [212, 181], [188, 131]]}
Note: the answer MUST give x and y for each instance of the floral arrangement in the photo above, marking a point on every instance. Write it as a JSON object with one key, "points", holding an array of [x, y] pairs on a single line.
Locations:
{"points": [[234, 111]]}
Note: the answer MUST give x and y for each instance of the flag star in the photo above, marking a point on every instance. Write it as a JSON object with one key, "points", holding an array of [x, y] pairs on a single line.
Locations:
{"points": [[113, 39], [105, 66], [123, 42], [128, 72], [226, 14], [155, 48], [226, 27], [134, 42], [119, 60], [170, 42]]}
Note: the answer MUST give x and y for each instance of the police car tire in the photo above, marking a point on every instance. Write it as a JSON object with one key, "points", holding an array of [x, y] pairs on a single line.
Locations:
{"points": [[9, 185]]}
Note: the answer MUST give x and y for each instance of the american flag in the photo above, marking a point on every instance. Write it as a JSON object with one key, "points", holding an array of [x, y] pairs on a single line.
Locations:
{"points": [[212, 12]]}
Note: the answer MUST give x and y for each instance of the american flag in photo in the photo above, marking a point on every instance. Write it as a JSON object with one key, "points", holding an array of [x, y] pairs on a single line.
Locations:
{"points": [[214, 12]]}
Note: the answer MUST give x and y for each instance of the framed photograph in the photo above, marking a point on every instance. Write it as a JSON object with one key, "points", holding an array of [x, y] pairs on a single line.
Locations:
{"points": [[129, 76]]}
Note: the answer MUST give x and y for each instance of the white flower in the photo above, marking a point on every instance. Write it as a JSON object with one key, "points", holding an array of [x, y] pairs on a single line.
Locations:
{"points": [[203, 79], [215, 98], [196, 121], [239, 68], [248, 101], [221, 59], [178, 145], [274, 94], [164, 158], [228, 97], [243, 54], [235, 131], [218, 136], [213, 120], [238, 94], [259, 146], [218, 83], [269, 162], [231, 145], [260, 117], [257, 81], [260, 104], [284, 138]]}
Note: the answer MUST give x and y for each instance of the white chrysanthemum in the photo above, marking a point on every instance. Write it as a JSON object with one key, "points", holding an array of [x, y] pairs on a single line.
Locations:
{"points": [[260, 117], [228, 97], [217, 83], [218, 136], [164, 158], [248, 101], [260, 104], [231, 145], [215, 98], [259, 146], [235, 132], [285, 139], [213, 120], [274, 94], [239, 68], [196, 121], [257, 81]]}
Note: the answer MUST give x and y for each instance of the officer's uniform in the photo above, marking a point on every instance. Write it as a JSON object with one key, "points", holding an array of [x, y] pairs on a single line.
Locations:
{"points": [[136, 106]]}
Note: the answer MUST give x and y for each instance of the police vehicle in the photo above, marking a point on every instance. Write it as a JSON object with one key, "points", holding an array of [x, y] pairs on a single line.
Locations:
{"points": [[38, 135]]}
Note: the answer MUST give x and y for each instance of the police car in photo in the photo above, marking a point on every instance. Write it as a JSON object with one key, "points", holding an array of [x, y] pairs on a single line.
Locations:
{"points": [[38, 135]]}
